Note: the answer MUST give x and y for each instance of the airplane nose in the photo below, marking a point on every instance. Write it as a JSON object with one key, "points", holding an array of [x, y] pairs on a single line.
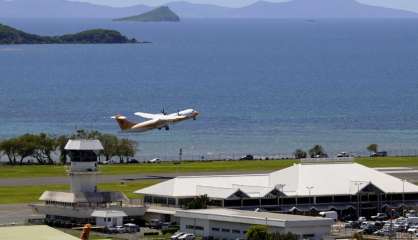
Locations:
{"points": [[195, 113]]}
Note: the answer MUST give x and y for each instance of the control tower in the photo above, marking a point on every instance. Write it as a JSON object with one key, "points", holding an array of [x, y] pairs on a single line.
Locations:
{"points": [[83, 170], [77, 205]]}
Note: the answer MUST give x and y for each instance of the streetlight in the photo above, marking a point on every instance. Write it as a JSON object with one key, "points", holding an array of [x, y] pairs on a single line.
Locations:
{"points": [[280, 187], [358, 184], [309, 190], [403, 191]]}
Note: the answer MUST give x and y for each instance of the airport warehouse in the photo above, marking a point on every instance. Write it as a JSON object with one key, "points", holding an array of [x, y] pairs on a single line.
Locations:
{"points": [[224, 223], [349, 188]]}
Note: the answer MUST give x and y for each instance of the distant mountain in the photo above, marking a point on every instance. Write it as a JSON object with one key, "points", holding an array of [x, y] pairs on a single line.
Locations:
{"points": [[64, 9], [160, 14], [317, 9], [261, 9], [9, 35]]}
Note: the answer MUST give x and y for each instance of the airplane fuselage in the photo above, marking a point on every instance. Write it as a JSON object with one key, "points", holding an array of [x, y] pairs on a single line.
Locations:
{"points": [[158, 121]]}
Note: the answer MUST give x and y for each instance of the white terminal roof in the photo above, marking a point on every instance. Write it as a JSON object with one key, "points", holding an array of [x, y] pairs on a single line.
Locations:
{"points": [[250, 217], [108, 213], [297, 180], [84, 144]]}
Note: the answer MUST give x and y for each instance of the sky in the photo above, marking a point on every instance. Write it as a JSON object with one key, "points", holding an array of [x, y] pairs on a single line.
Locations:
{"points": [[411, 5]]}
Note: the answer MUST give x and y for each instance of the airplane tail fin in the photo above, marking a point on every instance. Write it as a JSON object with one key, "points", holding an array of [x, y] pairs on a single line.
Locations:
{"points": [[123, 123]]}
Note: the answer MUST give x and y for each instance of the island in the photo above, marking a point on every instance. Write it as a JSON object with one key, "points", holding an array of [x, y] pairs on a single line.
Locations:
{"points": [[9, 35], [160, 14]]}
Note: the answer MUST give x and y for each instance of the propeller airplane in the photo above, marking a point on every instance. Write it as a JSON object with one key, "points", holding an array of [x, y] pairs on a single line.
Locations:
{"points": [[155, 121]]}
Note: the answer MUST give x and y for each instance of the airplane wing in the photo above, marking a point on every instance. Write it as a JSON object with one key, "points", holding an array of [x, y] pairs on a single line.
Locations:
{"points": [[149, 115], [172, 117]]}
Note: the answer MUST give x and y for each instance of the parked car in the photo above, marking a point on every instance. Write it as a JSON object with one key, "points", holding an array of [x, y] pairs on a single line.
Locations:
{"points": [[133, 160], [155, 223], [154, 160], [343, 154], [187, 236], [379, 217], [176, 236], [131, 227], [379, 154], [247, 157], [120, 229]]}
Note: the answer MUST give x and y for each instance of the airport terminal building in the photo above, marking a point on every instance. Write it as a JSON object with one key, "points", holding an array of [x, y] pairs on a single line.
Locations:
{"points": [[349, 188]]}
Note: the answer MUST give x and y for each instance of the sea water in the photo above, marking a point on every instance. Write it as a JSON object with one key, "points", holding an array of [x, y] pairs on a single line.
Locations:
{"points": [[262, 86]]}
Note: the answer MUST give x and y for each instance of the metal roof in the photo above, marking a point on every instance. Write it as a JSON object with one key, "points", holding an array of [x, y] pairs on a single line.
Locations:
{"points": [[84, 197], [251, 217], [35, 232], [84, 144], [108, 213], [297, 180]]}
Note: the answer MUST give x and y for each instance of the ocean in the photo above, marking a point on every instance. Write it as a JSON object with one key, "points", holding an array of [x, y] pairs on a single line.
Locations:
{"points": [[263, 87]]}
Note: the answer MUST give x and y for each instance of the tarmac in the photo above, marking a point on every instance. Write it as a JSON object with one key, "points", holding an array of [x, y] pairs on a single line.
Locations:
{"points": [[409, 174]]}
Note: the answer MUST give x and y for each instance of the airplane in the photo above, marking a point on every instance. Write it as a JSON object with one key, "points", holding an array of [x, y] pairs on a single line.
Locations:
{"points": [[156, 121]]}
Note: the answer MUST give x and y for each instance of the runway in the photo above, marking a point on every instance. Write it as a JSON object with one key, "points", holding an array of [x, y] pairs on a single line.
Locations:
{"points": [[409, 174]]}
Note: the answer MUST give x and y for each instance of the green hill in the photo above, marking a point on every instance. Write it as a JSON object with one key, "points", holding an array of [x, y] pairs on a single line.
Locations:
{"points": [[9, 35], [160, 14]]}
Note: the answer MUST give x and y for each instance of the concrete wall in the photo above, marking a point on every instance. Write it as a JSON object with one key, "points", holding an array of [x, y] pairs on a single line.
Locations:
{"points": [[83, 182], [234, 230], [109, 222]]}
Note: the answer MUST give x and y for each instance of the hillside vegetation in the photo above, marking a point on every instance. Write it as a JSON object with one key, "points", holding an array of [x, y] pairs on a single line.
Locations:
{"points": [[161, 14], [9, 35]]}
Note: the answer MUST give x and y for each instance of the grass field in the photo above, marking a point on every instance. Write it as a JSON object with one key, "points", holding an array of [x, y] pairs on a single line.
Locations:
{"points": [[190, 167], [29, 194], [121, 169]]}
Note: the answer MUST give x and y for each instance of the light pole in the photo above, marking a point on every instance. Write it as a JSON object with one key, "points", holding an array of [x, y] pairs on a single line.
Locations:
{"points": [[280, 187], [403, 191], [358, 184], [309, 191]]}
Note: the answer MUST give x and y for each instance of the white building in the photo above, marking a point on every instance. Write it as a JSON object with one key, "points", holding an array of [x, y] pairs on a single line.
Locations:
{"points": [[77, 205], [109, 218], [233, 224], [349, 188]]}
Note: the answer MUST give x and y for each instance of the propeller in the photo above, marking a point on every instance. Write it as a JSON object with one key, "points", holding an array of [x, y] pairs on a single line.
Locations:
{"points": [[163, 112]]}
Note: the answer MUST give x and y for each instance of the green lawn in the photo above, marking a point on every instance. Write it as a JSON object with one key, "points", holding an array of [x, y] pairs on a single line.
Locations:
{"points": [[29, 194], [121, 169], [389, 161], [190, 167]]}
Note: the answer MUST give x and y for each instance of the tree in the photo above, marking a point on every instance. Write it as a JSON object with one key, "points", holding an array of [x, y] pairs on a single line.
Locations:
{"points": [[44, 146], [257, 232], [126, 148], [299, 153], [317, 150], [110, 145], [282, 236], [26, 146], [373, 148], [9, 147], [200, 202], [61, 141]]}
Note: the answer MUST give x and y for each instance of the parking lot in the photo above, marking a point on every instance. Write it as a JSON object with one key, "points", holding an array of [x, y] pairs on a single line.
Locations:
{"points": [[380, 226]]}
